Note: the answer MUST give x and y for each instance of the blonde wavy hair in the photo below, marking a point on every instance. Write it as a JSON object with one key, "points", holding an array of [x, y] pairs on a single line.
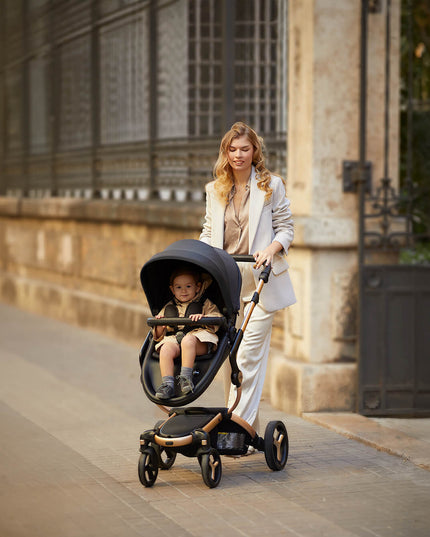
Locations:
{"points": [[222, 171]]}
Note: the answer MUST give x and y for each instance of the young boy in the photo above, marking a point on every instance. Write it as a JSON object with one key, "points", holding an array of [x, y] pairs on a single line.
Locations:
{"points": [[187, 286]]}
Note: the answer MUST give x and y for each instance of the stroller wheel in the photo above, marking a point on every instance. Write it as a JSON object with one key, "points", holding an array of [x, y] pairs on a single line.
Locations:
{"points": [[166, 457], [148, 467], [211, 468], [276, 445]]}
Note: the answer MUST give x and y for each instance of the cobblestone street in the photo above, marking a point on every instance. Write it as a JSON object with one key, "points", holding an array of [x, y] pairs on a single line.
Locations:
{"points": [[72, 410]]}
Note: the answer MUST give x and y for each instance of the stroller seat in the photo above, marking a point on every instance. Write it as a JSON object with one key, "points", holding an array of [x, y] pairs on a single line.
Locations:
{"points": [[224, 292]]}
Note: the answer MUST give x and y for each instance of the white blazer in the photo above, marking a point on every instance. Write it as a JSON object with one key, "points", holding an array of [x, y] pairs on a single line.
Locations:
{"points": [[269, 220]]}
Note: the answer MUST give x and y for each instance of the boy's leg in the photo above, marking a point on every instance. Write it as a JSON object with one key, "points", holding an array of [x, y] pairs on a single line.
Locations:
{"points": [[168, 352], [190, 347]]}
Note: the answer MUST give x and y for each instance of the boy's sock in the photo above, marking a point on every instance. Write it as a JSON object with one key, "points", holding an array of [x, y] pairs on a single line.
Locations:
{"points": [[187, 372], [168, 380]]}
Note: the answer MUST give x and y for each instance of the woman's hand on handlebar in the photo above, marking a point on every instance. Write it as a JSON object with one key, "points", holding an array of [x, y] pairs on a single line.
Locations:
{"points": [[265, 257]]}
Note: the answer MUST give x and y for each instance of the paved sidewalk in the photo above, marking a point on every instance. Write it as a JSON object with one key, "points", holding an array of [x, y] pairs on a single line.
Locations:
{"points": [[72, 410]]}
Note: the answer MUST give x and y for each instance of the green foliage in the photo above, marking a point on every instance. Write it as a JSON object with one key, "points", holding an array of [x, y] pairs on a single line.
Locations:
{"points": [[415, 114], [420, 255], [415, 185]]}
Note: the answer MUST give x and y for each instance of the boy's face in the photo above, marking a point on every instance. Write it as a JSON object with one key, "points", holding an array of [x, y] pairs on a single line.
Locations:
{"points": [[185, 287]]}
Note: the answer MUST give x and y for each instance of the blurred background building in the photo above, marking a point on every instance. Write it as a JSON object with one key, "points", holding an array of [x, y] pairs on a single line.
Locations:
{"points": [[126, 98]]}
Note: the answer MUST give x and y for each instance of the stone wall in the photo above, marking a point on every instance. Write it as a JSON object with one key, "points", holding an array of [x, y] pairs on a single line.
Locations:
{"points": [[79, 261]]}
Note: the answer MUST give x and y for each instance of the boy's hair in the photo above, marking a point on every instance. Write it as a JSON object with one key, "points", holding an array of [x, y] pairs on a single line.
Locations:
{"points": [[180, 271]]}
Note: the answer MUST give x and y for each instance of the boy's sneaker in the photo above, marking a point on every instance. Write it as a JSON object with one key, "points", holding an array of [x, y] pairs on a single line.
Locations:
{"points": [[251, 451], [165, 391], [186, 384]]}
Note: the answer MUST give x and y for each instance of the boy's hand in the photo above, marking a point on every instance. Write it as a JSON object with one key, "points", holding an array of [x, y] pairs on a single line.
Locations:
{"points": [[196, 316], [158, 330]]}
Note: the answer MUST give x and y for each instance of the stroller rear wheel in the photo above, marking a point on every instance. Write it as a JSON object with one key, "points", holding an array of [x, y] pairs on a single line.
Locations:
{"points": [[211, 468], [148, 467], [276, 445]]}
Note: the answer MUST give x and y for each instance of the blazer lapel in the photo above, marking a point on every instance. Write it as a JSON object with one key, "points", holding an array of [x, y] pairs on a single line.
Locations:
{"points": [[218, 210], [256, 203]]}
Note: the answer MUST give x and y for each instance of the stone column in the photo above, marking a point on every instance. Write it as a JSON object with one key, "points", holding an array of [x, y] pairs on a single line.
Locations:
{"points": [[318, 369]]}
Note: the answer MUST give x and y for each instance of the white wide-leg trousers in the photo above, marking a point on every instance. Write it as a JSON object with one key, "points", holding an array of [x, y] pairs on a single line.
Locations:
{"points": [[253, 353]]}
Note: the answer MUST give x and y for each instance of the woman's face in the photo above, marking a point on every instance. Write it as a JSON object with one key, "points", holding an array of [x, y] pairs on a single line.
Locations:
{"points": [[240, 154]]}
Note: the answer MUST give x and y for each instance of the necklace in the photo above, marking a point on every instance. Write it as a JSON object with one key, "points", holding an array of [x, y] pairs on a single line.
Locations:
{"points": [[240, 188], [238, 195]]}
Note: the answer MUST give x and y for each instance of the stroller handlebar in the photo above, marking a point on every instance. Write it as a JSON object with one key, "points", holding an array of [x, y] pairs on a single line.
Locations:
{"points": [[185, 321], [250, 259], [244, 258]]}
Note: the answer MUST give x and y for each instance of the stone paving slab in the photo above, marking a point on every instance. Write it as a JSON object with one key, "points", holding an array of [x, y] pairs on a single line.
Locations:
{"points": [[72, 410], [47, 488]]}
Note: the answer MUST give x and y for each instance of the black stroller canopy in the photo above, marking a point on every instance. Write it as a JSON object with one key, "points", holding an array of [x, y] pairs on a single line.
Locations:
{"points": [[224, 290]]}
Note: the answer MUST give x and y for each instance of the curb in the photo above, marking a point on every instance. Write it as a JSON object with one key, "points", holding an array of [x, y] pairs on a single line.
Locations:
{"points": [[371, 433]]}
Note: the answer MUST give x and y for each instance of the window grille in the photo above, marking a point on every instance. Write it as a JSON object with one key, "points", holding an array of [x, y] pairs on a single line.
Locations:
{"points": [[75, 94], [258, 55], [129, 98], [205, 68], [124, 75]]}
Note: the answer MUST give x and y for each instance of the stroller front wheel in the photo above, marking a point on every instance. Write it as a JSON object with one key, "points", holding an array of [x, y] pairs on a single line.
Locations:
{"points": [[211, 468], [148, 467]]}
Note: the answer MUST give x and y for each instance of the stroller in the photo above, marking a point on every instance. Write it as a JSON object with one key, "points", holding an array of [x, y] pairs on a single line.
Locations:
{"points": [[205, 433]]}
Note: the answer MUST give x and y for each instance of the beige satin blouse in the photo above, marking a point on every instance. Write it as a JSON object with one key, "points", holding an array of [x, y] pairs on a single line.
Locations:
{"points": [[236, 225]]}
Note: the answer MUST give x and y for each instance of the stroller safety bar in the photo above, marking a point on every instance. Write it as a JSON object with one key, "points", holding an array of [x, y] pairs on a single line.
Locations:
{"points": [[184, 321]]}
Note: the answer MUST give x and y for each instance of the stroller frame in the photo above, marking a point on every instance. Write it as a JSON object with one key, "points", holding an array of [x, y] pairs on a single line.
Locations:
{"points": [[207, 432]]}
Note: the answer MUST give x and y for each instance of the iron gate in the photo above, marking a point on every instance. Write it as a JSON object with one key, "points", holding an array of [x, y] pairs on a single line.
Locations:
{"points": [[394, 298]]}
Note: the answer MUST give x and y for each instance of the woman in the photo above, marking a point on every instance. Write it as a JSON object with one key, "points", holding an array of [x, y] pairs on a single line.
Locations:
{"points": [[247, 212]]}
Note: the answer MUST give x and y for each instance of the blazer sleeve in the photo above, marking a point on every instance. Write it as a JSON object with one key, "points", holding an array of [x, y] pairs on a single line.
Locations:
{"points": [[282, 221]]}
